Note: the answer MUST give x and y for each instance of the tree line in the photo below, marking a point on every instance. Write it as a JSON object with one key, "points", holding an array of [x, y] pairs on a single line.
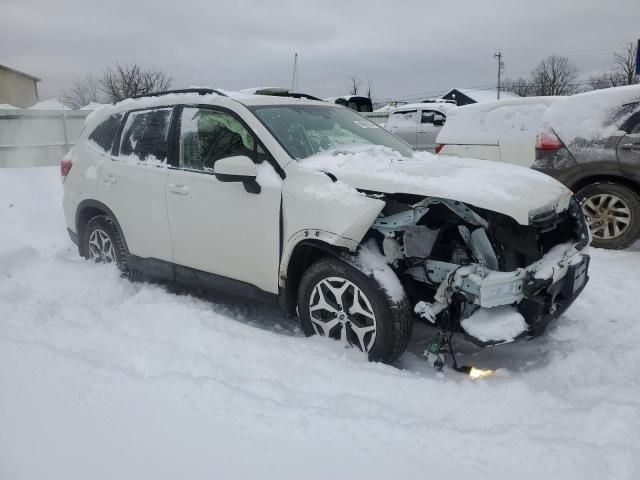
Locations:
{"points": [[557, 75]]}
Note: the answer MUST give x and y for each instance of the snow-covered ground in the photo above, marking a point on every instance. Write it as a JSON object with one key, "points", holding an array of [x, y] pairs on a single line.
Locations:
{"points": [[101, 378]]}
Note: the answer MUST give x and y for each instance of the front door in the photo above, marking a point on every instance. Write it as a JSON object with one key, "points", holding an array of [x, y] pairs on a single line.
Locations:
{"points": [[404, 125], [427, 130], [219, 227]]}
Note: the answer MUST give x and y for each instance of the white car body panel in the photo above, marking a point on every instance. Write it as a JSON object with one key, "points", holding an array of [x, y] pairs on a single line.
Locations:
{"points": [[218, 227], [481, 152]]}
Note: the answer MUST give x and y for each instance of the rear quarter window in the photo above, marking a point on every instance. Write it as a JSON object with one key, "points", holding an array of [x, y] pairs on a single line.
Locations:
{"points": [[105, 133]]}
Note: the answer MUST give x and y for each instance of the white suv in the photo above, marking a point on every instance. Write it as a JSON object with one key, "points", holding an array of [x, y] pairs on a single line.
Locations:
{"points": [[315, 208]]}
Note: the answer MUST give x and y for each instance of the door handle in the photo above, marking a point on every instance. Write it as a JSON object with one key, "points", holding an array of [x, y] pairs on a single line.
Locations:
{"points": [[178, 189], [109, 179], [630, 146]]}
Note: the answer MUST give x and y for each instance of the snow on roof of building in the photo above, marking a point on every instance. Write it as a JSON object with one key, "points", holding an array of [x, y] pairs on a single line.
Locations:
{"points": [[51, 104], [483, 95]]}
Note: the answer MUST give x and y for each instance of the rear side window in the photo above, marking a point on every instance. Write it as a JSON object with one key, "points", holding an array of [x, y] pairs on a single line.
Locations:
{"points": [[145, 135], [427, 116], [404, 118], [104, 134]]}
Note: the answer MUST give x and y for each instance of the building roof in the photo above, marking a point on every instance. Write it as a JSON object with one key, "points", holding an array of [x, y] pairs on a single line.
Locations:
{"points": [[4, 67], [484, 95]]}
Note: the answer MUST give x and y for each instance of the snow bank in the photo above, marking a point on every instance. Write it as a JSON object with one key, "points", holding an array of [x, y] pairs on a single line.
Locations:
{"points": [[104, 379], [593, 115], [498, 324], [490, 123]]}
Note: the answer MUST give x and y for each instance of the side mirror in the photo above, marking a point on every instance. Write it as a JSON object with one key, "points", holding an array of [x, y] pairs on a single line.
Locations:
{"points": [[237, 169], [438, 120]]}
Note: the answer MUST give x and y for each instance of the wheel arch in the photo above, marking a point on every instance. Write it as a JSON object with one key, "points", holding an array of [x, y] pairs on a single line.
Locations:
{"points": [[302, 256], [87, 209], [591, 179]]}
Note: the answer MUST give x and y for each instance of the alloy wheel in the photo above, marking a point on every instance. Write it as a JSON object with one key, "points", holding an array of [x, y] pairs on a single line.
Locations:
{"points": [[608, 215], [101, 249], [339, 309]]}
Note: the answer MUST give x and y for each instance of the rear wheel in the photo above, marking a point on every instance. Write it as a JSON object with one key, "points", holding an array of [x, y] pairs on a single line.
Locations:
{"points": [[612, 212], [338, 301], [103, 243]]}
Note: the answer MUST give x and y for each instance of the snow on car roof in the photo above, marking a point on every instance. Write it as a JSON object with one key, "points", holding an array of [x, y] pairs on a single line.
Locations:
{"points": [[592, 115], [487, 123], [228, 97], [483, 95], [443, 107]]}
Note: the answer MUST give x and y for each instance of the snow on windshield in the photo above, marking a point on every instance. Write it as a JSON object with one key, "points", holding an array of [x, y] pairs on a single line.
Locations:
{"points": [[593, 115]]}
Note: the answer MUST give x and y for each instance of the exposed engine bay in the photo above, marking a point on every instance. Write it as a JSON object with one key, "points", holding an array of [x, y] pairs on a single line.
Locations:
{"points": [[459, 263]]}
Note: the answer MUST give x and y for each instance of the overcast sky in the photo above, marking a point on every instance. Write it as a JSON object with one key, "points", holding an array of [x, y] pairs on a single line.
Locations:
{"points": [[405, 48]]}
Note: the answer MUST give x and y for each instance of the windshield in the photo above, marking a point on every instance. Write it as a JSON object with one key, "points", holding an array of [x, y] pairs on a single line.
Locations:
{"points": [[304, 130]]}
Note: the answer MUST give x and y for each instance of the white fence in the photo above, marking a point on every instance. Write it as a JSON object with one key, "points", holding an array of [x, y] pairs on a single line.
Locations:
{"points": [[30, 138]]}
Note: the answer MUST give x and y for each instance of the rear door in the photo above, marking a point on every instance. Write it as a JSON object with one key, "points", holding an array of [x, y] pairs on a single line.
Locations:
{"points": [[132, 184], [404, 124], [219, 227], [427, 131]]}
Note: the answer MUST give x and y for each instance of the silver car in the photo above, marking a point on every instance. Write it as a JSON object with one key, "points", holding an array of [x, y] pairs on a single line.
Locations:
{"points": [[418, 124]]}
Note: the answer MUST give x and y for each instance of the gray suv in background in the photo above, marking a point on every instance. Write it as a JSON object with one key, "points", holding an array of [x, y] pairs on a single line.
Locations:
{"points": [[591, 143]]}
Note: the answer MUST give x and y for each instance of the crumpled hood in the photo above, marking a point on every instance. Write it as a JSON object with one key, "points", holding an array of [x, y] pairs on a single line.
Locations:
{"points": [[504, 188]]}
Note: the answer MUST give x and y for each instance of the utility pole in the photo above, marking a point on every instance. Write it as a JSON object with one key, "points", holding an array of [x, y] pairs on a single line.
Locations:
{"points": [[500, 67], [295, 68]]}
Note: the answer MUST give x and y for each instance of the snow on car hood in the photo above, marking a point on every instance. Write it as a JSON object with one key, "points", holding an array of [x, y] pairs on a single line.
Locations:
{"points": [[508, 189]]}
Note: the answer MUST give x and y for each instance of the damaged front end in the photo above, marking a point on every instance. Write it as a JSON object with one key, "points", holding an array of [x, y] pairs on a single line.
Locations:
{"points": [[481, 273]]}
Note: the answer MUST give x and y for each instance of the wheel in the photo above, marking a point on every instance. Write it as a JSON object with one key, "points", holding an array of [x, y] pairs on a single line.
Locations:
{"points": [[103, 243], [612, 212], [336, 300]]}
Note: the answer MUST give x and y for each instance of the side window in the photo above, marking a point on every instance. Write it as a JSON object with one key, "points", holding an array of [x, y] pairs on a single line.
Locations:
{"points": [[427, 116], [208, 135], [146, 134], [408, 117], [105, 133]]}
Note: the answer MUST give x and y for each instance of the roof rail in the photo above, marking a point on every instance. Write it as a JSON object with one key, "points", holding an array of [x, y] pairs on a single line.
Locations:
{"points": [[199, 91]]}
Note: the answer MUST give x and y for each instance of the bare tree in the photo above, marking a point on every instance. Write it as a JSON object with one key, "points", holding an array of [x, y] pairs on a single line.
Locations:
{"points": [[625, 65], [369, 90], [604, 80], [555, 75], [123, 81], [354, 85], [82, 92], [520, 86]]}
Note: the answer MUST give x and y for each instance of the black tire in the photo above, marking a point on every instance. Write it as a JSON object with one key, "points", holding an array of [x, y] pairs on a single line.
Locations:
{"points": [[624, 194], [393, 319], [102, 223]]}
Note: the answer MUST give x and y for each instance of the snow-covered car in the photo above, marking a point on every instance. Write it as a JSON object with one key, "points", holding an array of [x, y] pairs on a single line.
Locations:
{"points": [[359, 103], [418, 124], [501, 130], [591, 143], [313, 207]]}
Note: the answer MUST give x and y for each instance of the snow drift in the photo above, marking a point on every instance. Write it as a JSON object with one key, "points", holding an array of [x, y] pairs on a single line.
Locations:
{"points": [[103, 379]]}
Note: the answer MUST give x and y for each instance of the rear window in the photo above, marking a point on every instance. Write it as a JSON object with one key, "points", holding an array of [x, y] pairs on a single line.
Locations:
{"points": [[105, 133], [145, 135]]}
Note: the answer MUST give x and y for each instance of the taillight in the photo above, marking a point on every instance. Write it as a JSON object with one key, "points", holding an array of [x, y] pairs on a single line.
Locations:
{"points": [[548, 140], [65, 166], [439, 147]]}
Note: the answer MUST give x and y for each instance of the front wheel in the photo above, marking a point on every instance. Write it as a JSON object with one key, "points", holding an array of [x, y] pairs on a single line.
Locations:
{"points": [[612, 212], [338, 301]]}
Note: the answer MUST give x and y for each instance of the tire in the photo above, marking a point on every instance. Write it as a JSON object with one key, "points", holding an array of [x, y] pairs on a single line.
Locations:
{"points": [[612, 212], [102, 243], [393, 321]]}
